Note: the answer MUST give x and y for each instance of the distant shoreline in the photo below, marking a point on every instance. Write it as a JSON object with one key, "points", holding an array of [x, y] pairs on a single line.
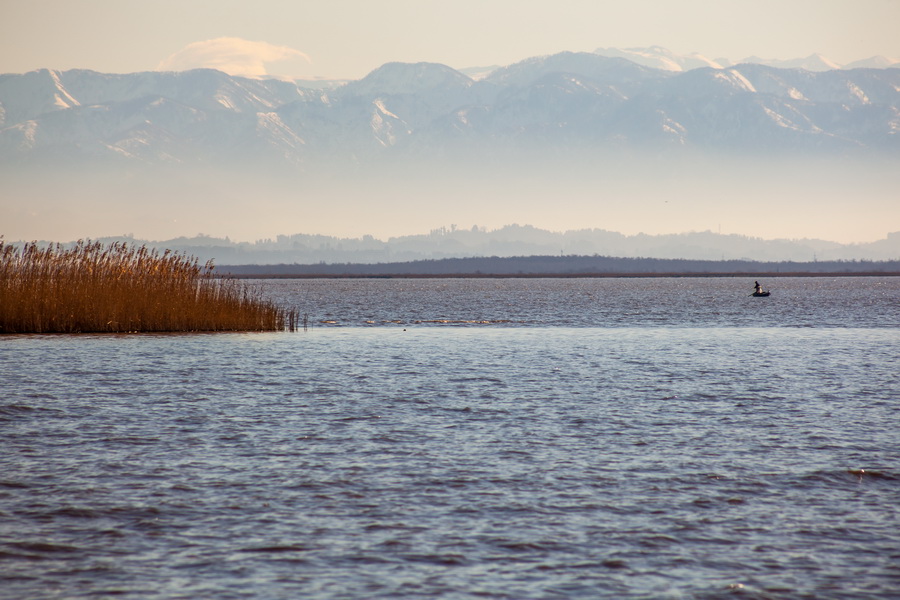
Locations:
{"points": [[562, 266], [754, 274]]}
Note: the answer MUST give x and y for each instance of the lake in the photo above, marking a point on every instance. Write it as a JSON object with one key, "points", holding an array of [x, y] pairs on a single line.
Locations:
{"points": [[468, 438]]}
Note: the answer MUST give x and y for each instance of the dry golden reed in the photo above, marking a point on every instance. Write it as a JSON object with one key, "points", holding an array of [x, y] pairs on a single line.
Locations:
{"points": [[122, 288]]}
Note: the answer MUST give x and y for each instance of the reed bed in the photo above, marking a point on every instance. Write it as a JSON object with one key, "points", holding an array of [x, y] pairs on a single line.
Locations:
{"points": [[121, 288]]}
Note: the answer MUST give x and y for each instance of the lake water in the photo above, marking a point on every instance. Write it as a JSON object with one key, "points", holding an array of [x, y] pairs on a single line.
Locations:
{"points": [[468, 438]]}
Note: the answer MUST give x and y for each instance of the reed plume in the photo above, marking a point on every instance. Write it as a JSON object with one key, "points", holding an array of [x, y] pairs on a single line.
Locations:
{"points": [[122, 288]]}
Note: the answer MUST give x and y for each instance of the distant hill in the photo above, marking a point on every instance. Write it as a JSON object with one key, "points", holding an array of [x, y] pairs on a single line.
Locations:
{"points": [[518, 241]]}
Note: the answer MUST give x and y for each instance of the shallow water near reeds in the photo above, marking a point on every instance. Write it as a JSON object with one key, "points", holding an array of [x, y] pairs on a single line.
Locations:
{"points": [[540, 438]]}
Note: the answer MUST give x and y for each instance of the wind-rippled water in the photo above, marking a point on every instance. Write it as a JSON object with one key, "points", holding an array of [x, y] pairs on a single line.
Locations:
{"points": [[468, 439]]}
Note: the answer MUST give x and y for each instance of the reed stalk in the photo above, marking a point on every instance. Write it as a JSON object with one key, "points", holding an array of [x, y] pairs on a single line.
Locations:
{"points": [[121, 288]]}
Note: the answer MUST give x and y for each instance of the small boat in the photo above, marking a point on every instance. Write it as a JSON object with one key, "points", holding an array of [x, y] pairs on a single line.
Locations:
{"points": [[758, 290]]}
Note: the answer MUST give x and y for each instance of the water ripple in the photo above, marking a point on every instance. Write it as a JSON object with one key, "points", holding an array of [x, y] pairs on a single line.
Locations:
{"points": [[463, 462]]}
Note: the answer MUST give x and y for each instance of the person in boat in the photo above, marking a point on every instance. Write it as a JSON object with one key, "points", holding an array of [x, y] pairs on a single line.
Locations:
{"points": [[758, 288]]}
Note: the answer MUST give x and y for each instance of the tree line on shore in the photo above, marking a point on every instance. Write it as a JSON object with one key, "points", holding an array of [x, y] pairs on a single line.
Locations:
{"points": [[573, 266]]}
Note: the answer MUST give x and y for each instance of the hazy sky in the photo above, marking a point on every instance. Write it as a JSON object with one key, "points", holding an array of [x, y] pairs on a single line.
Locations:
{"points": [[349, 38]]}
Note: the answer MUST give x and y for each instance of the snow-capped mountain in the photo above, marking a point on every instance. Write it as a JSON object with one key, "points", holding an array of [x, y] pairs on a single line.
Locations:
{"points": [[658, 57], [875, 62], [563, 102], [813, 62]]}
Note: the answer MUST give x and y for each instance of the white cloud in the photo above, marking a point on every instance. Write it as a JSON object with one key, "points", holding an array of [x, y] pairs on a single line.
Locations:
{"points": [[234, 56]]}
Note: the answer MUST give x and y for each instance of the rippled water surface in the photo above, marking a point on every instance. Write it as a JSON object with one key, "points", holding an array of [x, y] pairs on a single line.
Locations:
{"points": [[587, 302], [467, 439]]}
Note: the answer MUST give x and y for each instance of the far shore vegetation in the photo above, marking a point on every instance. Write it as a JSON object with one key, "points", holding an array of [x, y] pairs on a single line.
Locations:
{"points": [[120, 288]]}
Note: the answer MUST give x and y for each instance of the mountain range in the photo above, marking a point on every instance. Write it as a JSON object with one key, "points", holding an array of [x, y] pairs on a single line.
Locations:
{"points": [[516, 240], [567, 102], [662, 58]]}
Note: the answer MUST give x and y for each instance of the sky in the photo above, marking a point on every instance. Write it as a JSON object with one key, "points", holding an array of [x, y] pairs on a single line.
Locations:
{"points": [[347, 39]]}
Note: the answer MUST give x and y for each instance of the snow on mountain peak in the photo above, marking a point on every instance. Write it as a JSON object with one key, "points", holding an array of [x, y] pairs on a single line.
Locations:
{"points": [[408, 78], [661, 58], [658, 57], [738, 80], [874, 62]]}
